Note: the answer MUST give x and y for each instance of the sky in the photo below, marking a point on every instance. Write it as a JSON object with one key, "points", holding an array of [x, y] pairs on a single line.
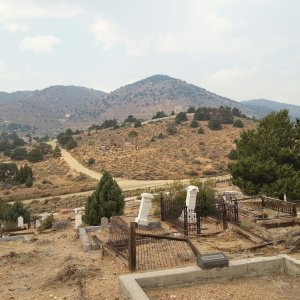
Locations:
{"points": [[242, 50]]}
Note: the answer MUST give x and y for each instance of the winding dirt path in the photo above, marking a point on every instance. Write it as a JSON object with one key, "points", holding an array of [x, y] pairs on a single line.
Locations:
{"points": [[125, 184]]}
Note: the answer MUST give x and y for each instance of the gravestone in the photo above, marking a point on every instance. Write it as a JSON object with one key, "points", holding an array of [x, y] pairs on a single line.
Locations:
{"points": [[37, 223], [78, 221], [190, 202], [142, 218], [104, 223], [20, 221], [212, 260]]}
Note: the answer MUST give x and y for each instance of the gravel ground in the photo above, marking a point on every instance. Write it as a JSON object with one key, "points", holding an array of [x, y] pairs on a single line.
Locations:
{"points": [[283, 287]]}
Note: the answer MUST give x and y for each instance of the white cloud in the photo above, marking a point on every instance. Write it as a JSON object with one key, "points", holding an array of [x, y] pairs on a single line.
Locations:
{"points": [[14, 9], [109, 34], [14, 27], [40, 43]]}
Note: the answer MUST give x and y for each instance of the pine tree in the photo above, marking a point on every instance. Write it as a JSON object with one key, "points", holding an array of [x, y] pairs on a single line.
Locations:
{"points": [[268, 158], [106, 200]]}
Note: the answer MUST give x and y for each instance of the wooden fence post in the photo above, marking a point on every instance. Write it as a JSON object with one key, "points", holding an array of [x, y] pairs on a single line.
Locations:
{"points": [[132, 247]]}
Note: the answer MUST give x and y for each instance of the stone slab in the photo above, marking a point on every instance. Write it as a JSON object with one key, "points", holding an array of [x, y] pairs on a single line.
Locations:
{"points": [[212, 260]]}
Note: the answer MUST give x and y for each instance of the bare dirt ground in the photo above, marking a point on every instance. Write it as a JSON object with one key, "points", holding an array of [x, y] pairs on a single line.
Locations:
{"points": [[271, 287], [154, 154], [53, 266]]}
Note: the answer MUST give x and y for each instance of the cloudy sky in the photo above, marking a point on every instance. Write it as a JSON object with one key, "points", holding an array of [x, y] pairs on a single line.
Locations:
{"points": [[238, 49]]}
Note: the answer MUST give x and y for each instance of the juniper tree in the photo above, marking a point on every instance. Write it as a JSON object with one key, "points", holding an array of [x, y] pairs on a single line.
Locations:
{"points": [[107, 200], [269, 158]]}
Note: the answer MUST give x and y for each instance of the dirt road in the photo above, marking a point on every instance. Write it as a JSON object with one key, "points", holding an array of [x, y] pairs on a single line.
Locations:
{"points": [[125, 184]]}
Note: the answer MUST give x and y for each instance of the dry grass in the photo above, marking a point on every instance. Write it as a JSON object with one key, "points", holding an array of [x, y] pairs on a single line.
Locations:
{"points": [[183, 155]]}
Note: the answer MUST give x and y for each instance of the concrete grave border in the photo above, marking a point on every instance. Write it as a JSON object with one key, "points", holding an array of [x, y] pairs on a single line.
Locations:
{"points": [[87, 242], [132, 285]]}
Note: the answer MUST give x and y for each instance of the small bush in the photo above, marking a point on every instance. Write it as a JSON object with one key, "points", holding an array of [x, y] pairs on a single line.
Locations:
{"points": [[214, 124], [180, 117], [191, 109], [60, 225], [91, 161], [137, 124], [194, 124], [47, 223], [171, 129], [201, 130], [238, 123]]}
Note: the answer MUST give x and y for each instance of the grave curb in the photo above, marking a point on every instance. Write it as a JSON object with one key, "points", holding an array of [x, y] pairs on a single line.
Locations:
{"points": [[131, 286]]}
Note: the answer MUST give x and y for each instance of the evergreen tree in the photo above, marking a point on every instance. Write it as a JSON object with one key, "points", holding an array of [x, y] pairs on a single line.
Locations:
{"points": [[14, 211], [107, 200], [268, 158]]}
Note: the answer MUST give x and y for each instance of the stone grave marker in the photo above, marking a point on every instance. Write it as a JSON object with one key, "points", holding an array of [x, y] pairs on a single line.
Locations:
{"points": [[104, 223], [190, 202], [212, 260], [37, 223], [142, 218], [78, 221], [20, 221]]}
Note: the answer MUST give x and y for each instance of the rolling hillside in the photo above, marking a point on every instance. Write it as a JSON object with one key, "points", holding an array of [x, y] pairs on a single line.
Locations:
{"points": [[51, 109], [263, 107]]}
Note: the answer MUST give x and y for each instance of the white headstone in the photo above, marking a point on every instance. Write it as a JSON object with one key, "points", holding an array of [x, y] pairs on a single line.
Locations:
{"points": [[78, 221], [37, 223], [20, 221], [145, 206], [190, 202], [104, 223], [191, 196]]}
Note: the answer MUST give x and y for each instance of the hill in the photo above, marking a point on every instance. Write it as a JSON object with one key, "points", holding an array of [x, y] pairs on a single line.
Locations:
{"points": [[159, 93], [50, 109], [153, 153], [263, 107]]}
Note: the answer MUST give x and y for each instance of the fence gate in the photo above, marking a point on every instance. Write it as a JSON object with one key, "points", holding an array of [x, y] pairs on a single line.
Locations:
{"points": [[187, 220], [228, 212]]}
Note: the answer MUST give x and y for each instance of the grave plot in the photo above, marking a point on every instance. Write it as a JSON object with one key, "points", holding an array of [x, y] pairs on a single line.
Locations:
{"points": [[277, 287]]}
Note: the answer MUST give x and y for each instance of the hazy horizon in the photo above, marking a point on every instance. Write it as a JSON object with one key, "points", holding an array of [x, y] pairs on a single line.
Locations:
{"points": [[239, 50]]}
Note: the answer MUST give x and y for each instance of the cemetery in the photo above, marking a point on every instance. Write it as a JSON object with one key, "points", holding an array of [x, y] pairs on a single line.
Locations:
{"points": [[172, 243]]}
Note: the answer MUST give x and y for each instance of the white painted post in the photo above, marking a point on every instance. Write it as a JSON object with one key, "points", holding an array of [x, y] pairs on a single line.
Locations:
{"points": [[145, 206]]}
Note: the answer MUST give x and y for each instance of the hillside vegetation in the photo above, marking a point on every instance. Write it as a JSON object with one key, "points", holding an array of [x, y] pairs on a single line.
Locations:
{"points": [[159, 150]]}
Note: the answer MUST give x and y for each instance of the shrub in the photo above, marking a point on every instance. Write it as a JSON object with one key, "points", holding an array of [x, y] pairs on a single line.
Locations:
{"points": [[56, 152], [158, 115], [137, 124], [91, 161], [29, 182], [180, 117], [194, 124], [233, 154], [14, 211], [191, 109], [171, 129], [19, 154], [35, 155], [47, 223], [214, 124], [201, 130], [238, 123], [130, 119]]}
